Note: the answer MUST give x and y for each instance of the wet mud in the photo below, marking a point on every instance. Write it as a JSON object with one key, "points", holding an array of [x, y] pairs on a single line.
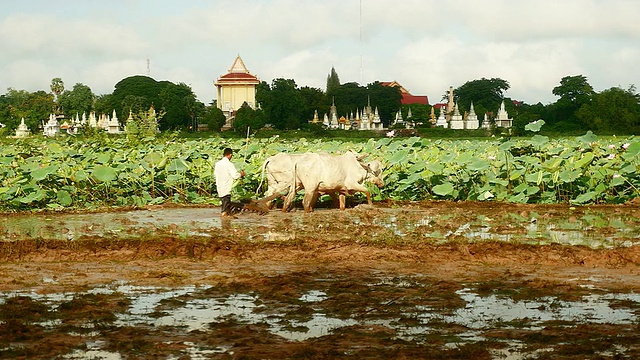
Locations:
{"points": [[431, 280]]}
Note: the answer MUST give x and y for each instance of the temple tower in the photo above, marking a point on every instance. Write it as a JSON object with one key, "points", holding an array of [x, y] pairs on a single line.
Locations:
{"points": [[456, 121], [502, 119], [235, 88], [472, 119]]}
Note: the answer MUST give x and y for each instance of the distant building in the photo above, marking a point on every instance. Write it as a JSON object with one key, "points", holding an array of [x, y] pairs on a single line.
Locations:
{"points": [[235, 88], [407, 98]]}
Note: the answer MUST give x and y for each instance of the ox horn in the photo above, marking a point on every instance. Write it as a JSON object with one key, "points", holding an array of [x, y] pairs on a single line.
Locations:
{"points": [[360, 157]]}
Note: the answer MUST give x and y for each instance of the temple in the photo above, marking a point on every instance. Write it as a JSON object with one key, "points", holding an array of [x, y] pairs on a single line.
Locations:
{"points": [[407, 97], [235, 88]]}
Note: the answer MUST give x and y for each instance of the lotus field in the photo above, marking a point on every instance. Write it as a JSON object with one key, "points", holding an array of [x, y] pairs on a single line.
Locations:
{"points": [[99, 171]]}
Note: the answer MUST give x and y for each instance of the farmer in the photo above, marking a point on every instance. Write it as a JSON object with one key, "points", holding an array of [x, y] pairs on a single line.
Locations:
{"points": [[225, 173]]}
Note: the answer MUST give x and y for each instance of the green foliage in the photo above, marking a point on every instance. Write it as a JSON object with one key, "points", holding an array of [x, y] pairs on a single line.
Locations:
{"points": [[486, 95], [103, 170], [574, 91], [213, 117], [57, 88], [143, 124], [314, 100], [139, 93], [77, 101], [333, 81], [387, 99], [611, 110], [282, 104], [350, 98], [33, 107], [247, 118]]}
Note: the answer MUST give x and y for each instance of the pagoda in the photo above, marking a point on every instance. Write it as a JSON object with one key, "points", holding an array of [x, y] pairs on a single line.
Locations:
{"points": [[235, 88]]}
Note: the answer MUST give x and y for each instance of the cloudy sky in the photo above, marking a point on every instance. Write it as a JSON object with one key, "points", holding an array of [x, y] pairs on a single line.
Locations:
{"points": [[425, 45]]}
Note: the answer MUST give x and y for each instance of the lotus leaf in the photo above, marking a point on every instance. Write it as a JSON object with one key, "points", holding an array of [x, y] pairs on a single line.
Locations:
{"points": [[478, 165], [629, 169], [103, 158], [486, 195], [32, 197], [443, 189], [64, 198], [632, 151], [397, 157], [584, 160], [584, 198], [103, 173], [568, 176], [42, 173], [588, 138], [178, 165], [534, 126], [435, 167], [448, 157], [80, 176], [539, 140]]}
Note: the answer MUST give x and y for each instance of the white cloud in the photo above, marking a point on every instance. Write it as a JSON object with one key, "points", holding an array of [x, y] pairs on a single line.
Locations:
{"points": [[423, 44]]}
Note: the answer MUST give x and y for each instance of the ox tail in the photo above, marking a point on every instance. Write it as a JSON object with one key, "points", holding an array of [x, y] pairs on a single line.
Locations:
{"points": [[264, 167]]}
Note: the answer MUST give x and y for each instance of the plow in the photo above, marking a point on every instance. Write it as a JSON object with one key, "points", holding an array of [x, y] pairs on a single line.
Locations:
{"points": [[259, 206]]}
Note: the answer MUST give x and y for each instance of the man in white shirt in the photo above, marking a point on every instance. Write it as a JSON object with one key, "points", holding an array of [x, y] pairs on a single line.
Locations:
{"points": [[225, 173]]}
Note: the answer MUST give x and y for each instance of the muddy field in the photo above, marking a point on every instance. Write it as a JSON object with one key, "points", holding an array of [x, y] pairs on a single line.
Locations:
{"points": [[432, 280]]}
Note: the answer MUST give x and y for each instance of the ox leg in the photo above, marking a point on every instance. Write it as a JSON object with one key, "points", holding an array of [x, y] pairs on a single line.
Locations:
{"points": [[307, 201], [314, 199], [288, 201], [335, 199], [343, 201], [269, 202], [368, 198]]}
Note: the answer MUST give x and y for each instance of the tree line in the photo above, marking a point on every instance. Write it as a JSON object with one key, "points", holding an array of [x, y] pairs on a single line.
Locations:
{"points": [[283, 105]]}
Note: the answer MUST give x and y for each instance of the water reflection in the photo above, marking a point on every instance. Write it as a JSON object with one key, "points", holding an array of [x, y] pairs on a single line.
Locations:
{"points": [[195, 311]]}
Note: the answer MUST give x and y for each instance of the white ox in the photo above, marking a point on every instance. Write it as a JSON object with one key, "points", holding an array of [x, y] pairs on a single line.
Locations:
{"points": [[324, 173], [279, 172]]}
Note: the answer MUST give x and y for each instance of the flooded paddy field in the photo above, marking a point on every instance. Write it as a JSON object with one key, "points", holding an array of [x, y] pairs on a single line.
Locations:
{"points": [[432, 280]]}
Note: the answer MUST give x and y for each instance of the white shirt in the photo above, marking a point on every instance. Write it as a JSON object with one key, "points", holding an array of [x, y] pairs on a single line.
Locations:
{"points": [[225, 172]]}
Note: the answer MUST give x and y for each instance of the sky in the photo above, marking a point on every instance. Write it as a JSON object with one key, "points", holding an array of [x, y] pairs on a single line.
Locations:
{"points": [[425, 45]]}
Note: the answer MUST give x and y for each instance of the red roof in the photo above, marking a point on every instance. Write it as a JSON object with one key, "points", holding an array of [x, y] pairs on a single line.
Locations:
{"points": [[407, 98], [234, 77], [414, 99]]}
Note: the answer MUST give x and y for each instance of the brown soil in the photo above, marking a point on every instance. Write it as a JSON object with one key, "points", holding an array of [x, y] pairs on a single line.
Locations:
{"points": [[289, 251]]}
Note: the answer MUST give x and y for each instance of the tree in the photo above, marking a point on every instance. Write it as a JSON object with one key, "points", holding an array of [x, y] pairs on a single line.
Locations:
{"points": [[104, 104], [348, 98], [246, 117], [57, 88], [486, 94], [5, 109], [614, 110], [314, 100], [574, 91], [386, 98], [33, 107], [282, 103], [77, 101], [351, 97], [420, 113], [213, 117], [333, 81], [144, 88], [178, 103]]}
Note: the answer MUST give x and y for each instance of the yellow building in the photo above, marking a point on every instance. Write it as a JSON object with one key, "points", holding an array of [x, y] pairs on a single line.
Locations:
{"points": [[235, 88]]}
